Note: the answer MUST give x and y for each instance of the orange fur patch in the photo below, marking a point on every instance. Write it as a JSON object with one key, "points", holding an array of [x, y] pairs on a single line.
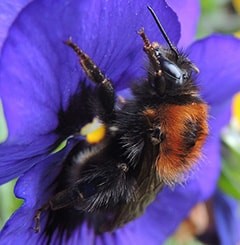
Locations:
{"points": [[173, 162]]}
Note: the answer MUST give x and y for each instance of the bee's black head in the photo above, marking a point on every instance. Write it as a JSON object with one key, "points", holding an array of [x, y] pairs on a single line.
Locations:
{"points": [[170, 72], [177, 73]]}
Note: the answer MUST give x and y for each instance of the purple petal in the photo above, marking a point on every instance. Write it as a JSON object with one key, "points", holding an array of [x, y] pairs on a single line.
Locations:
{"points": [[22, 221], [9, 11], [226, 218], [39, 74], [188, 12], [218, 58], [219, 118], [34, 187]]}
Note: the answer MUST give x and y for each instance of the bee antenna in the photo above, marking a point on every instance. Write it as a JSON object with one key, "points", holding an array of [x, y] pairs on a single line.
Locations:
{"points": [[163, 31]]}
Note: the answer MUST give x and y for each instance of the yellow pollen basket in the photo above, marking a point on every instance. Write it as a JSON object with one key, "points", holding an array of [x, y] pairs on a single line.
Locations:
{"points": [[94, 131]]}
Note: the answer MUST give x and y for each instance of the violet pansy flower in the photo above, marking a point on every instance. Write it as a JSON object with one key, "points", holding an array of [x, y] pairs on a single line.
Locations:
{"points": [[40, 91], [226, 218]]}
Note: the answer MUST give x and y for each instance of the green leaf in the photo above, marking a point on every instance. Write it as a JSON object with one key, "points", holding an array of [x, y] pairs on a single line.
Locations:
{"points": [[173, 241], [208, 6], [229, 181], [60, 147], [8, 202], [3, 125]]}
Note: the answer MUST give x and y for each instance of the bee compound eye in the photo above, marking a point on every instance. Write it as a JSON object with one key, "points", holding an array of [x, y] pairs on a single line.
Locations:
{"points": [[172, 72]]}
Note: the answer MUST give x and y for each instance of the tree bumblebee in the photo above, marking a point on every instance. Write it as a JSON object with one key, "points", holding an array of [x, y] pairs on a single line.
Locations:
{"points": [[153, 140]]}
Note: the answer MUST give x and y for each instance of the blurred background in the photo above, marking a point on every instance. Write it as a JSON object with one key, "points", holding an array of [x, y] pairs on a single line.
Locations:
{"points": [[200, 227]]}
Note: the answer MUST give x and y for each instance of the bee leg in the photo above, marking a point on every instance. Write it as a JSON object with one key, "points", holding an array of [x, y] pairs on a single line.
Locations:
{"points": [[149, 49], [106, 90], [37, 217], [61, 200]]}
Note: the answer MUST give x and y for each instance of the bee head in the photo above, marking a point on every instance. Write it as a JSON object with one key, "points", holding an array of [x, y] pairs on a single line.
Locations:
{"points": [[170, 72], [176, 72]]}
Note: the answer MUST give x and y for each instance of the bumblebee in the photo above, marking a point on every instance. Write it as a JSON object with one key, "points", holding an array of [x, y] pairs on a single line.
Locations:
{"points": [[152, 140]]}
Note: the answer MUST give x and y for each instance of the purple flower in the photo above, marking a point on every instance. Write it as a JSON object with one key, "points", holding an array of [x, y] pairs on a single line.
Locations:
{"points": [[226, 216], [40, 88]]}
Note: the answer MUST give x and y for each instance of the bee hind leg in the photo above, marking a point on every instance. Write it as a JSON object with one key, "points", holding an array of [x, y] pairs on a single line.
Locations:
{"points": [[37, 217]]}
